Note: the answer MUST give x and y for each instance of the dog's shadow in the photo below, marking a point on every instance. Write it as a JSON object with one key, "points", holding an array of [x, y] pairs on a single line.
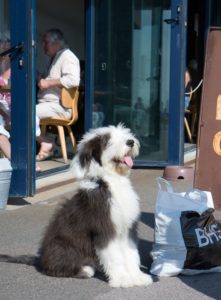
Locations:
{"points": [[144, 248], [148, 219], [100, 276]]}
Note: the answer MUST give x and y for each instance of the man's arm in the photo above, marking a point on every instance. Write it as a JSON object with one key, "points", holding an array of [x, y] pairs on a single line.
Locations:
{"points": [[70, 71], [46, 83]]}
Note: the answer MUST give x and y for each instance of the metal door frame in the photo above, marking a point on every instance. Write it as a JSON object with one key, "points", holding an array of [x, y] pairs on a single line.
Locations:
{"points": [[22, 25], [176, 105]]}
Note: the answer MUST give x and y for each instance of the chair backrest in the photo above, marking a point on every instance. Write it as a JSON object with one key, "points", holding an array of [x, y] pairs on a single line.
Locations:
{"points": [[69, 99], [191, 92], [68, 96]]}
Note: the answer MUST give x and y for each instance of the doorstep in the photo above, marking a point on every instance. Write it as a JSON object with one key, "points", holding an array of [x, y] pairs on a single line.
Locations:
{"points": [[64, 182], [62, 185], [54, 180], [52, 188]]}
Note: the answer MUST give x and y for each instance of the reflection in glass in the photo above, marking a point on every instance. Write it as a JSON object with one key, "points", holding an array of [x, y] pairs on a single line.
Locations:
{"points": [[132, 59]]}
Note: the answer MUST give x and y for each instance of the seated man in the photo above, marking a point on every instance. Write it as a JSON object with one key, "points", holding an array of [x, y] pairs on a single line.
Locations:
{"points": [[64, 71]]}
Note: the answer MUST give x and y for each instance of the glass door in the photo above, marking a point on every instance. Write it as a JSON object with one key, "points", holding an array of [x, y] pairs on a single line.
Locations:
{"points": [[17, 49], [138, 59]]}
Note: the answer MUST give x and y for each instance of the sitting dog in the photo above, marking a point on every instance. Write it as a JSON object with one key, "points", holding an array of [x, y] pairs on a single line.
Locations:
{"points": [[98, 225]]}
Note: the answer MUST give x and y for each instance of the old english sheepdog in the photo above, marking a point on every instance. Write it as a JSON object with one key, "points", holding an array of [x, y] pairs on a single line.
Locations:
{"points": [[98, 225]]}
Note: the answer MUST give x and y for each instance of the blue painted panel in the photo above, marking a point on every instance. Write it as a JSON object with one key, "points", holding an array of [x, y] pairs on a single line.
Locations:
{"points": [[176, 105], [89, 62], [23, 95]]}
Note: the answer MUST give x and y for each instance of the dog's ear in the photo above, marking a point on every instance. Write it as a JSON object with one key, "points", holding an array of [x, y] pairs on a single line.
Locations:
{"points": [[93, 150]]}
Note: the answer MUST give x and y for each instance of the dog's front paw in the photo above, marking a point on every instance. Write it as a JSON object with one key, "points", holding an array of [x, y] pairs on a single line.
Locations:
{"points": [[142, 279], [121, 281]]}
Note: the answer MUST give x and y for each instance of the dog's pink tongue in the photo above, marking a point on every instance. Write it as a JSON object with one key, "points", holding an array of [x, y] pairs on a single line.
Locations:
{"points": [[128, 160]]}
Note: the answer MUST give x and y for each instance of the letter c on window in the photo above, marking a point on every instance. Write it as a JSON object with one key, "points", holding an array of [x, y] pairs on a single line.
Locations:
{"points": [[217, 143]]}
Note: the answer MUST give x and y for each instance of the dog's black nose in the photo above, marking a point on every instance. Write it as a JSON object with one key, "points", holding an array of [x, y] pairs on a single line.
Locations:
{"points": [[130, 143]]}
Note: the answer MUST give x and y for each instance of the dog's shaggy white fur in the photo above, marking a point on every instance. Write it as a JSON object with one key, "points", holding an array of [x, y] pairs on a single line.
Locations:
{"points": [[98, 225], [105, 155]]}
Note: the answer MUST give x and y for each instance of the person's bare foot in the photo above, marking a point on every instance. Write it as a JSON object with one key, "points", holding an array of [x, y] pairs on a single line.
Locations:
{"points": [[46, 147], [37, 168], [45, 151]]}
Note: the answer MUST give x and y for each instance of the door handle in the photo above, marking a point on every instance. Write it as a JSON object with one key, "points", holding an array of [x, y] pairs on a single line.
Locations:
{"points": [[103, 66], [11, 50], [174, 20], [171, 21]]}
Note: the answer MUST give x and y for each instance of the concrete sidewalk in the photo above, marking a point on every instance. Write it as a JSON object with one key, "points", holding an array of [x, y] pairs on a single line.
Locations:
{"points": [[21, 230]]}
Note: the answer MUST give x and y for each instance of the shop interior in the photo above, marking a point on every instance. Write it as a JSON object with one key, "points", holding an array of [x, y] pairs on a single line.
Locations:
{"points": [[68, 17], [195, 52]]}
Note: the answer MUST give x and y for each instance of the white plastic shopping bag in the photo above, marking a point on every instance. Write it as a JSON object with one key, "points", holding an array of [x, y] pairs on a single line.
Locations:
{"points": [[187, 237]]}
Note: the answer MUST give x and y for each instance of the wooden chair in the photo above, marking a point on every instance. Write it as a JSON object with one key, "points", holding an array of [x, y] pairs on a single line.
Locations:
{"points": [[69, 99], [189, 134], [191, 112]]}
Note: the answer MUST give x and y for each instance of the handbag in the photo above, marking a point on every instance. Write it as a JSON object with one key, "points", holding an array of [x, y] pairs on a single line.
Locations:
{"points": [[187, 238]]}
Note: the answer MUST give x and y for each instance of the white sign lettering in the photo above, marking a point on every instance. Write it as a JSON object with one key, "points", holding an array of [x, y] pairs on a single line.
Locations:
{"points": [[208, 235]]}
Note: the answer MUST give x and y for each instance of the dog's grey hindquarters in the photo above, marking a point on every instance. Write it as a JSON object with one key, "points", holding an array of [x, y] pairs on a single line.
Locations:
{"points": [[68, 247]]}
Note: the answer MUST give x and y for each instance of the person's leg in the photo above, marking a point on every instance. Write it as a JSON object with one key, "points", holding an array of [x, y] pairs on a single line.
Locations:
{"points": [[5, 146], [186, 103], [48, 110], [46, 149], [52, 109], [38, 129]]}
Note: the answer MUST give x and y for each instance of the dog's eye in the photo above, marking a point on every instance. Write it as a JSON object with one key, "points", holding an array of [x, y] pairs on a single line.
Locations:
{"points": [[130, 143]]}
